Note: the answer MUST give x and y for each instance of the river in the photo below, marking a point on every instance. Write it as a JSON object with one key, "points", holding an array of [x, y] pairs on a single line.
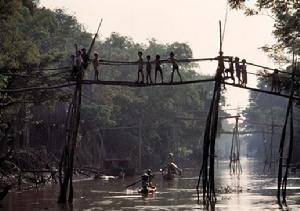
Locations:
{"points": [[252, 190]]}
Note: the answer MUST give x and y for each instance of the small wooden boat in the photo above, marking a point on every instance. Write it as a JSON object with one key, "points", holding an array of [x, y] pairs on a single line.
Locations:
{"points": [[148, 190], [171, 172], [169, 176]]}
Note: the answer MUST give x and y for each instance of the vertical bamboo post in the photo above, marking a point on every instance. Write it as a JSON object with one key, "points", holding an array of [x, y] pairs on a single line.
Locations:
{"points": [[220, 32], [271, 144], [207, 170], [67, 158], [281, 182], [291, 143], [140, 145]]}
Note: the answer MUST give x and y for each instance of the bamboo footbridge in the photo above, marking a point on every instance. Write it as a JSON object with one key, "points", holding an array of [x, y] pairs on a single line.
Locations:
{"points": [[206, 174]]}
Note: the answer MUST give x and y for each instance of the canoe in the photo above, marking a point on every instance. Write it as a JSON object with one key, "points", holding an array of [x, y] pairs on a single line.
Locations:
{"points": [[169, 176], [148, 190]]}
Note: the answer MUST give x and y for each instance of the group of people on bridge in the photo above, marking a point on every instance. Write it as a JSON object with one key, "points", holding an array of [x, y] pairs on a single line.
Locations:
{"points": [[81, 60], [235, 66], [158, 69], [240, 70], [236, 70]]}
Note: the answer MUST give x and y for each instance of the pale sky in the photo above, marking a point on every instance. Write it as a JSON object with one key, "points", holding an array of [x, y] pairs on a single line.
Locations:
{"points": [[192, 21]]}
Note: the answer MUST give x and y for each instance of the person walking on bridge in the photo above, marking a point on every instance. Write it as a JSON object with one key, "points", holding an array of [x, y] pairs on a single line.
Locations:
{"points": [[96, 65], [148, 70], [275, 86], [244, 73], [230, 69], [175, 67], [158, 68], [140, 63], [78, 65], [237, 69]]}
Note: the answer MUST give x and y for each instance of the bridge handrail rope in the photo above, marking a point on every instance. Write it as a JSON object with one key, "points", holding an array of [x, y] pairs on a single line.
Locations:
{"points": [[189, 60], [119, 63], [106, 62], [295, 97], [101, 62], [269, 68]]}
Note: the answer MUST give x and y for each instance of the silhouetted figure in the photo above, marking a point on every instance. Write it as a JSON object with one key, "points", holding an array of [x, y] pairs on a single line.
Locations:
{"points": [[78, 64], [150, 177], [175, 67], [4, 192], [275, 82], [85, 58], [237, 69], [148, 70], [158, 68], [244, 72], [96, 65], [145, 183], [172, 168], [230, 69], [140, 63], [221, 68], [221, 65]]}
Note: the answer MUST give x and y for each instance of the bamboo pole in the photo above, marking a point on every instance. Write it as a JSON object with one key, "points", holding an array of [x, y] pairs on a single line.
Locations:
{"points": [[291, 143], [280, 181], [207, 169], [140, 145], [67, 159]]}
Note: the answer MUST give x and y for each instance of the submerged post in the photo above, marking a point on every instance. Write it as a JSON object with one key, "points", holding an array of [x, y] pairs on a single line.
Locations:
{"points": [[282, 182], [140, 145], [66, 163], [67, 159], [207, 171], [291, 143]]}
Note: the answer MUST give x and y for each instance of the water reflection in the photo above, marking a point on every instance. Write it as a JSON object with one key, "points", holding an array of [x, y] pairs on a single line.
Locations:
{"points": [[251, 190]]}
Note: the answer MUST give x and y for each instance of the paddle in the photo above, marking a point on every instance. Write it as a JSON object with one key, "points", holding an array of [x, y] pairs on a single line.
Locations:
{"points": [[133, 183]]}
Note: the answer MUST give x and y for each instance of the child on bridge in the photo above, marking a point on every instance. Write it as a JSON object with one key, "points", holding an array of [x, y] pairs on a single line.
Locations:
{"points": [[275, 82], [237, 69], [140, 63], [148, 70], [175, 67], [78, 65], [230, 69], [244, 73], [158, 68], [95, 65]]}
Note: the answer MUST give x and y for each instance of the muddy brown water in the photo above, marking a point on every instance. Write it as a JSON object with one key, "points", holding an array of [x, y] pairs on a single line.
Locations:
{"points": [[253, 190]]}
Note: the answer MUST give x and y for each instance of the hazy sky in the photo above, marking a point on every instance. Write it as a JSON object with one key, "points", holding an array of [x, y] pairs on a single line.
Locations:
{"points": [[192, 21]]}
